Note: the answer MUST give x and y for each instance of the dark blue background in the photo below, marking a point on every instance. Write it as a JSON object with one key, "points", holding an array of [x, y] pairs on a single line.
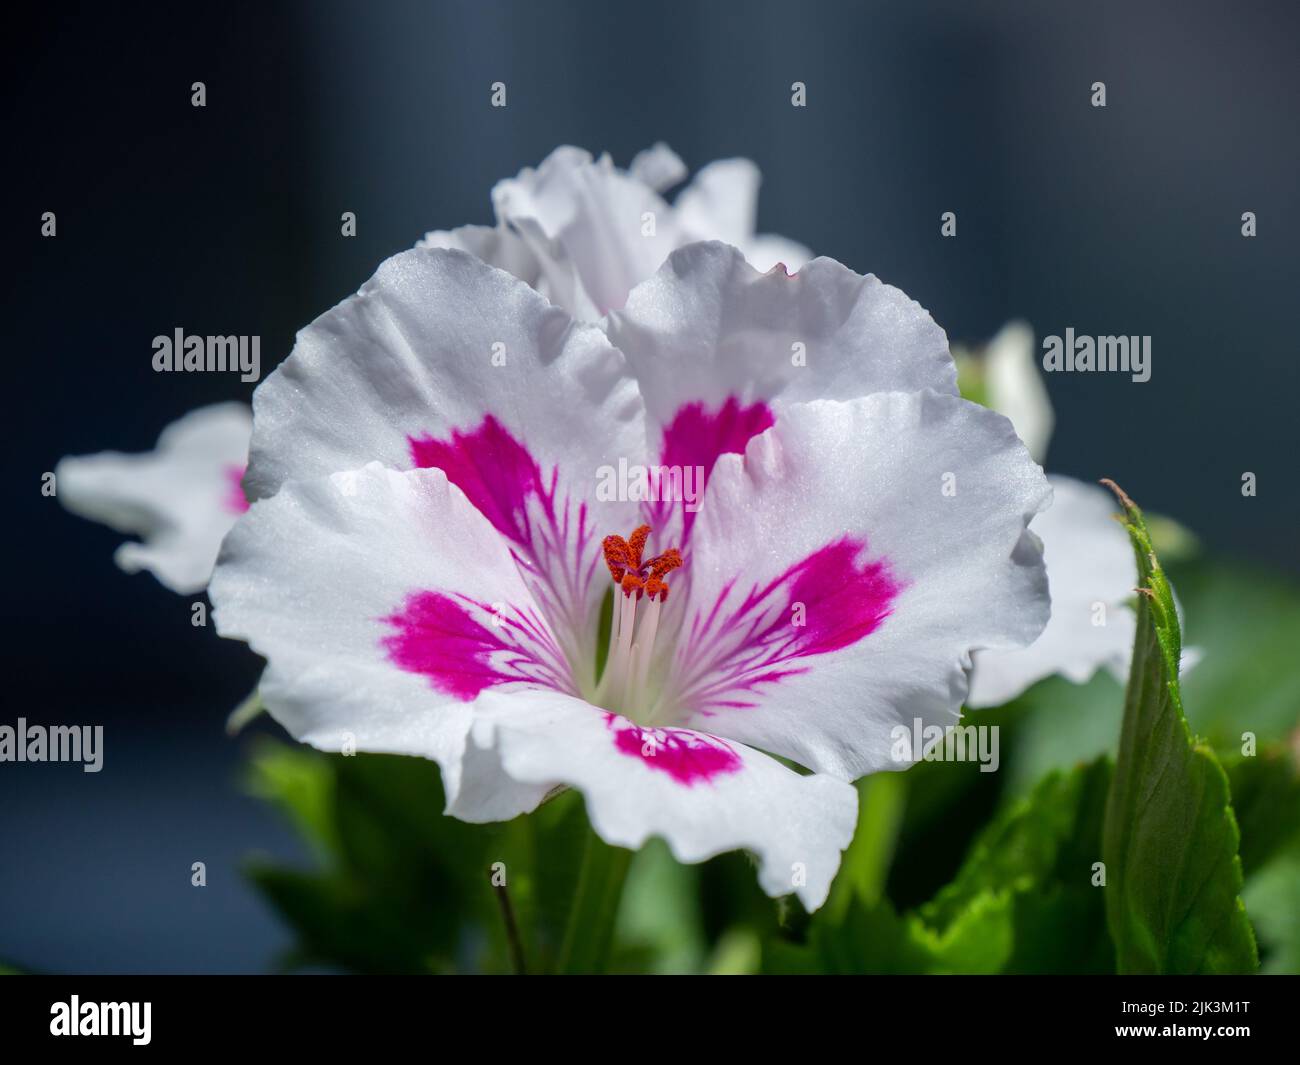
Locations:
{"points": [[226, 220]]}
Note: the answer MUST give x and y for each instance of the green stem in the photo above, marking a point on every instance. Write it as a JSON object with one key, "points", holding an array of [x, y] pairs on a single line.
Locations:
{"points": [[882, 798], [590, 932]]}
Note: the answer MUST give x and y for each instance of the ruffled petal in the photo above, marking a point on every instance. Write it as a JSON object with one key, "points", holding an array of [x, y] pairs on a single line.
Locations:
{"points": [[181, 498], [441, 360], [718, 347], [701, 794], [845, 568], [1091, 571], [386, 606], [527, 253], [614, 227]]}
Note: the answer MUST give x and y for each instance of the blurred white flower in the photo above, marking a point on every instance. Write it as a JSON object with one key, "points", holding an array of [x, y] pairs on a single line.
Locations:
{"points": [[1014, 387], [1090, 565], [181, 498]]}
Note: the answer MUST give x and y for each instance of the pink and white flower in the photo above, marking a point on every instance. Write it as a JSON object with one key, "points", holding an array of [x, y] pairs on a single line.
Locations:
{"points": [[181, 498], [429, 551], [584, 233]]}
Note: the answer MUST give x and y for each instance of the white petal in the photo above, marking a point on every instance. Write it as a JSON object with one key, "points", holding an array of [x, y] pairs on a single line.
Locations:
{"points": [[708, 327], [442, 360], [321, 578], [432, 343], [616, 229], [766, 252], [719, 347], [495, 245], [721, 202], [702, 795], [182, 497], [932, 494], [528, 254], [1092, 574], [1015, 388], [659, 167]]}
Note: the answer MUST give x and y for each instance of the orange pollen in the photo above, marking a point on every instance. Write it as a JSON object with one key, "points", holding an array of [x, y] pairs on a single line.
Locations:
{"points": [[617, 556], [636, 544], [631, 573]]}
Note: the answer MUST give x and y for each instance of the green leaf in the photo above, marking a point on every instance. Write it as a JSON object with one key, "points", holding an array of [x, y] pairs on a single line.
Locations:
{"points": [[1170, 839], [1245, 625], [1022, 902]]}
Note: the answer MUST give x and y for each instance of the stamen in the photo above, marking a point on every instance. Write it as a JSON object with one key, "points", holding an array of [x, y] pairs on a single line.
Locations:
{"points": [[632, 639], [617, 556], [636, 544]]}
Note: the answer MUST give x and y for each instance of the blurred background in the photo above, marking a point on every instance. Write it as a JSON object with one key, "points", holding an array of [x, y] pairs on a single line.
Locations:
{"points": [[225, 220]]}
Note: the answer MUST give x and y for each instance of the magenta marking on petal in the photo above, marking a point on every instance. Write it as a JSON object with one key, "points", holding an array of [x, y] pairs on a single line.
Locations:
{"points": [[688, 757], [234, 500], [695, 437], [491, 467], [438, 636], [556, 552], [828, 601]]}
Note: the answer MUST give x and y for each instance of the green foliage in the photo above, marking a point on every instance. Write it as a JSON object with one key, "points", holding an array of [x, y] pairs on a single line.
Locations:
{"points": [[951, 870], [1022, 902], [1170, 839]]}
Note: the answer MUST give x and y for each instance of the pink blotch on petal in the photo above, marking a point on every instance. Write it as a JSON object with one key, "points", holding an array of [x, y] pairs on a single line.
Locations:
{"points": [[696, 437], [826, 602], [235, 501], [845, 600], [688, 757], [491, 467], [438, 637]]}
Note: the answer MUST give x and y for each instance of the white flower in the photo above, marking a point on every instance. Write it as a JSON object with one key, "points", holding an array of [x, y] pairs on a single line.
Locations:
{"points": [[1014, 387], [1092, 574], [182, 497], [1090, 563], [584, 233], [432, 540]]}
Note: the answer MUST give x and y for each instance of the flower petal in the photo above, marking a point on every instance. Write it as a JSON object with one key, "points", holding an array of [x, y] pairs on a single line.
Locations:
{"points": [[1092, 574], [703, 795], [844, 569], [386, 606], [182, 497], [658, 167], [718, 347], [433, 343], [615, 228], [441, 360], [527, 253]]}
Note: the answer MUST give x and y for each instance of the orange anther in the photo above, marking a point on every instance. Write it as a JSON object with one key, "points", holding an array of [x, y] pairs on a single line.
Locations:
{"points": [[617, 556], [636, 544]]}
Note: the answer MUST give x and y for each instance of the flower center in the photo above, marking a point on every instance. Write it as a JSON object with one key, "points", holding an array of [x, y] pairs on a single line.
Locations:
{"points": [[640, 592]]}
